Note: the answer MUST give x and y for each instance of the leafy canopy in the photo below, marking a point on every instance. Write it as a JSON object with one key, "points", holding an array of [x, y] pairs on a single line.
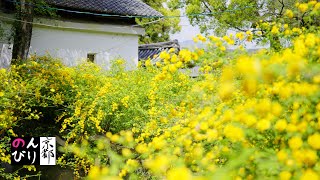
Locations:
{"points": [[242, 15], [160, 31]]}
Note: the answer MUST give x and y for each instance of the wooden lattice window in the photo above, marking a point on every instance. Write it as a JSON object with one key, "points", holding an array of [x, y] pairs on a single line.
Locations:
{"points": [[91, 57]]}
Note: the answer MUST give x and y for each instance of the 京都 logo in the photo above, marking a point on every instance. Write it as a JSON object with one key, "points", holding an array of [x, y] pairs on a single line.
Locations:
{"points": [[33, 151]]}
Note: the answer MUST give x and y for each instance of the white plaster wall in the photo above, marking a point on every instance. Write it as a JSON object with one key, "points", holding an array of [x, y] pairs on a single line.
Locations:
{"points": [[72, 46], [5, 55], [5, 45], [71, 41]]}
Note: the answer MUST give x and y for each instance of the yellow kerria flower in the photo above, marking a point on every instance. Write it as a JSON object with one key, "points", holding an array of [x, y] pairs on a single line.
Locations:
{"points": [[240, 35], [289, 13], [312, 2], [123, 173], [126, 152], [164, 55], [303, 7], [226, 90], [307, 157], [281, 125], [222, 48], [141, 148], [295, 142], [94, 172], [263, 124], [148, 63], [233, 133], [158, 165], [249, 33], [195, 39], [317, 6], [285, 175], [314, 141], [282, 155], [201, 38], [310, 40], [275, 30], [297, 30], [182, 173], [309, 174], [287, 32], [171, 50]]}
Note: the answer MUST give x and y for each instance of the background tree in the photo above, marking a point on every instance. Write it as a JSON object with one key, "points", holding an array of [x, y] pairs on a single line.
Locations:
{"points": [[160, 31], [22, 29], [241, 15], [25, 10]]}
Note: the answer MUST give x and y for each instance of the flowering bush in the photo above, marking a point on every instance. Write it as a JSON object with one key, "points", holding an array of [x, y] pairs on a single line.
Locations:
{"points": [[252, 116], [44, 98], [246, 116]]}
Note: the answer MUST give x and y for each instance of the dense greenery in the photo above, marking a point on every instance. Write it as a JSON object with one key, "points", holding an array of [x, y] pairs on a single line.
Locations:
{"points": [[244, 15], [247, 116], [161, 30]]}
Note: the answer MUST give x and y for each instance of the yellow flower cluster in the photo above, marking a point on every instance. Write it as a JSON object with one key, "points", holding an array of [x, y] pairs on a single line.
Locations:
{"points": [[245, 116], [251, 111]]}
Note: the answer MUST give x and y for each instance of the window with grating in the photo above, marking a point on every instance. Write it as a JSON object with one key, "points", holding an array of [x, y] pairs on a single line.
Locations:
{"points": [[91, 57]]}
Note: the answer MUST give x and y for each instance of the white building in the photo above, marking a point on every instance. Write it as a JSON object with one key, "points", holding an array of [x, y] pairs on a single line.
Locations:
{"points": [[84, 30]]}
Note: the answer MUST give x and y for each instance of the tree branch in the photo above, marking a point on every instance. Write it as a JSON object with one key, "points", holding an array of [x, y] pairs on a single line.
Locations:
{"points": [[207, 6], [282, 7]]}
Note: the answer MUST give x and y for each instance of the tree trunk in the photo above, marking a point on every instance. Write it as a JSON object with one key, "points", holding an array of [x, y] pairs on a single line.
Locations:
{"points": [[22, 31]]}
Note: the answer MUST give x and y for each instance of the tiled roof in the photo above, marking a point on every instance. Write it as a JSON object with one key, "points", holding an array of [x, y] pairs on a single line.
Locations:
{"points": [[117, 7], [153, 50]]}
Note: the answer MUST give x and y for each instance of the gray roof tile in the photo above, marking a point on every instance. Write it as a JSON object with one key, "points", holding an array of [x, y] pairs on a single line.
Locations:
{"points": [[117, 7], [153, 50]]}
